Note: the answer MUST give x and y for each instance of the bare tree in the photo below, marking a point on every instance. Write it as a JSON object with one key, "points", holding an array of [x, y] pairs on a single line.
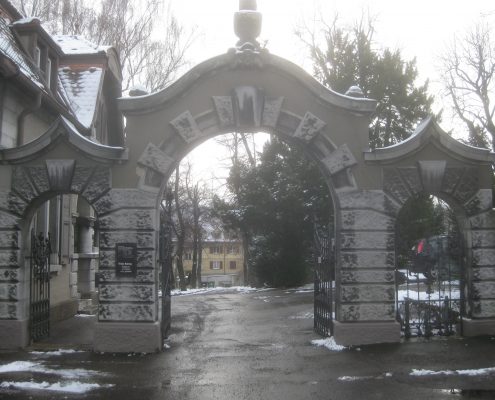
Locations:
{"points": [[150, 41], [468, 76], [179, 228]]}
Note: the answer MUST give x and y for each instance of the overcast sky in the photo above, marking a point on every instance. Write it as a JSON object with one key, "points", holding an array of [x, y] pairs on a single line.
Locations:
{"points": [[420, 28]]}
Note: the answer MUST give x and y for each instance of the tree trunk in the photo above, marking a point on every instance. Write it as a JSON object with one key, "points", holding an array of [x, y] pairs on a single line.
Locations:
{"points": [[180, 234]]}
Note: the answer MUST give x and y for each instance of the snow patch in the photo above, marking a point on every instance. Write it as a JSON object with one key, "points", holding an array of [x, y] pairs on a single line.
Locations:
{"points": [[239, 289], [329, 343], [58, 352], [306, 315], [467, 372], [69, 387], [28, 366]]}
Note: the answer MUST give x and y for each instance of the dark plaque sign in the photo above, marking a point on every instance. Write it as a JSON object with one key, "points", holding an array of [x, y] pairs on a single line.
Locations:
{"points": [[126, 256]]}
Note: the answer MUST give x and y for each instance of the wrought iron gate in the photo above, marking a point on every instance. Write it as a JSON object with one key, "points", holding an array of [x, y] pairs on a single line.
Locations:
{"points": [[39, 300], [323, 284], [165, 261], [430, 287]]}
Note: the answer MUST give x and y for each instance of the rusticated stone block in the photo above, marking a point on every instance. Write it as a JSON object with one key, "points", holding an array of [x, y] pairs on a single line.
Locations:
{"points": [[81, 177], [121, 337], [186, 127], [22, 185], [98, 185], [156, 159], [309, 127], [9, 274], [9, 310], [142, 276], [367, 240], [484, 274], [39, 177], [483, 309], [9, 291], [340, 159], [287, 122], [127, 293], [451, 179], [12, 203], [9, 221], [483, 290], [479, 203], [225, 110], [366, 276], [9, 239], [144, 259], [483, 257], [128, 219], [483, 239], [367, 259], [363, 333], [367, 312], [366, 199], [468, 185], [271, 111], [366, 219], [483, 221], [394, 185], [367, 293], [127, 312], [116, 199], [108, 239], [9, 257], [412, 179]]}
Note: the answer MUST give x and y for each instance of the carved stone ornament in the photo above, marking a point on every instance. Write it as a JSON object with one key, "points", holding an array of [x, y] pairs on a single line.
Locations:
{"points": [[186, 127], [309, 127], [60, 174]]}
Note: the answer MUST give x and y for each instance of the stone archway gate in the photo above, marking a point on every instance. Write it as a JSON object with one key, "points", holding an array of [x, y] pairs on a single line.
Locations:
{"points": [[247, 89]]}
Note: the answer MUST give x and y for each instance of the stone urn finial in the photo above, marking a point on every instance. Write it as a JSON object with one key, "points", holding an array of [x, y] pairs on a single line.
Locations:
{"points": [[247, 25]]}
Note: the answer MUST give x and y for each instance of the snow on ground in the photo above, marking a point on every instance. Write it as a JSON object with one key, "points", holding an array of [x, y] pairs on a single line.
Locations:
{"points": [[58, 352], [422, 295], [69, 387], [467, 372], [303, 315], [329, 343], [239, 289], [69, 378]]}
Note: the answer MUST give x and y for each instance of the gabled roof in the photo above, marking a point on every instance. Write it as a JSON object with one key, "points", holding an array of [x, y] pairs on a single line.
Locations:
{"points": [[82, 85], [429, 131], [63, 130]]}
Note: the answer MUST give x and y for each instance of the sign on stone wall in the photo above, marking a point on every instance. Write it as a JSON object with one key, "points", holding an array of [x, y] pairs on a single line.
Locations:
{"points": [[126, 256]]}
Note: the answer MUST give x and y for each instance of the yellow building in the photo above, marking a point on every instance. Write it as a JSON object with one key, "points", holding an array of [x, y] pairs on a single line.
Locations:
{"points": [[222, 260]]}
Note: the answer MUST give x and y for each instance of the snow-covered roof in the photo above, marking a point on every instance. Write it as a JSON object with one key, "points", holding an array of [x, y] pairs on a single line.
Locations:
{"points": [[82, 85], [10, 48], [74, 44], [27, 20]]}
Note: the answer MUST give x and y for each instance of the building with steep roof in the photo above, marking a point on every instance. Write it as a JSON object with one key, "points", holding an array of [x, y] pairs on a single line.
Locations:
{"points": [[58, 86]]}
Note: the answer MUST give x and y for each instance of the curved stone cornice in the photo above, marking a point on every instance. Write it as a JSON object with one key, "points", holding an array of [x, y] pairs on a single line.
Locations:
{"points": [[243, 60], [61, 130], [429, 131]]}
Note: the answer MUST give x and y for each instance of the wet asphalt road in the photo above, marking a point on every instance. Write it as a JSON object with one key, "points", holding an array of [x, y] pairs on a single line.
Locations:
{"points": [[227, 346]]}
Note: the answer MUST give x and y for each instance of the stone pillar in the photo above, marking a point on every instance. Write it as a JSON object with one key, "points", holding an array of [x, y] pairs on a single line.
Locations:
{"points": [[481, 277], [86, 265], [365, 295], [128, 318], [14, 281]]}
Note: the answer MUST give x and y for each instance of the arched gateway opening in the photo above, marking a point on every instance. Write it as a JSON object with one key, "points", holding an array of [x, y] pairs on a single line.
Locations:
{"points": [[248, 90]]}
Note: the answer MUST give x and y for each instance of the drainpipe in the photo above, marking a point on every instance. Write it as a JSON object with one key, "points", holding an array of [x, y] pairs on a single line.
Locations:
{"points": [[22, 116]]}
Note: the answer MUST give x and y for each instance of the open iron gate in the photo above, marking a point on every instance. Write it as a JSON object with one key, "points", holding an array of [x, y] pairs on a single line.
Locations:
{"points": [[39, 297], [165, 261], [430, 287], [323, 282]]}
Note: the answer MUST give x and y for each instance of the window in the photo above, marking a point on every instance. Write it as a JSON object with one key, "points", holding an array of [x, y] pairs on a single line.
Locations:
{"points": [[48, 73], [232, 249], [187, 256], [37, 56], [216, 249], [216, 265], [232, 265]]}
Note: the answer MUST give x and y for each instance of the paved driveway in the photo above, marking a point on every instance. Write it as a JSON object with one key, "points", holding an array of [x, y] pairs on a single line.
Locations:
{"points": [[255, 345]]}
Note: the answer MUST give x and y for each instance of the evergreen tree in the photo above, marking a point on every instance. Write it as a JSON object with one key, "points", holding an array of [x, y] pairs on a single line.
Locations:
{"points": [[277, 203], [347, 57]]}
